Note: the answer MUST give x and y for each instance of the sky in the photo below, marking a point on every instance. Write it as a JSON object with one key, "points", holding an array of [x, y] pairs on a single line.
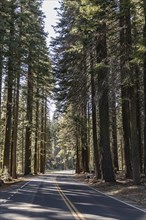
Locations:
{"points": [[51, 16]]}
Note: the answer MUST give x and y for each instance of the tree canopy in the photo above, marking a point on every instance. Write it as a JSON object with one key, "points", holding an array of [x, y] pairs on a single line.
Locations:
{"points": [[94, 69]]}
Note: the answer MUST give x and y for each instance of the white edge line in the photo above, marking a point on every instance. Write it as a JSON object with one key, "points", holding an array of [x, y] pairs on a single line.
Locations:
{"points": [[24, 185], [121, 201], [142, 210]]}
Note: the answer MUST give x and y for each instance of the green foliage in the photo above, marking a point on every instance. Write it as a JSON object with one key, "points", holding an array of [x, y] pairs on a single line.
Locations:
{"points": [[89, 41], [26, 46]]}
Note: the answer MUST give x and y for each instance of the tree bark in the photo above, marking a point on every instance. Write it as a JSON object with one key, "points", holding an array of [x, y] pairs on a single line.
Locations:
{"points": [[134, 139], [36, 158], [15, 129], [94, 120], [42, 144], [29, 121], [125, 96], [10, 76], [107, 166], [144, 67], [130, 86], [85, 156], [114, 132]]}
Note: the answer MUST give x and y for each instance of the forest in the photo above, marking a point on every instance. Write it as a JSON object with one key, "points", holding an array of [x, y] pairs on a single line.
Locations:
{"points": [[94, 70]]}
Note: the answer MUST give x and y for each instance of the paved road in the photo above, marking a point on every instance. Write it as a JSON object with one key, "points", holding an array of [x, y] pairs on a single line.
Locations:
{"points": [[59, 196]]}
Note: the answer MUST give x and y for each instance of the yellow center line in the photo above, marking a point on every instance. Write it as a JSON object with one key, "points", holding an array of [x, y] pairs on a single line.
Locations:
{"points": [[77, 215]]}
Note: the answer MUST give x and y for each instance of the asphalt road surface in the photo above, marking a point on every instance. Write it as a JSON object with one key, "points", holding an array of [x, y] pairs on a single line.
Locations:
{"points": [[58, 196]]}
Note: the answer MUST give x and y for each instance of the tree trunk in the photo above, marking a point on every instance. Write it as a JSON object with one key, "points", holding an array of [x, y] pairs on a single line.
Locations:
{"points": [[125, 96], [144, 67], [134, 140], [10, 76], [29, 121], [45, 132], [94, 120], [138, 115], [107, 167], [42, 145], [129, 83], [133, 96], [85, 156], [78, 169], [1, 71], [15, 129], [36, 163], [114, 132], [16, 106]]}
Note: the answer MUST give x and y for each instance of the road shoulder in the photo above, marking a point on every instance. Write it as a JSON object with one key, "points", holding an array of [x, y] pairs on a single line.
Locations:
{"points": [[122, 190]]}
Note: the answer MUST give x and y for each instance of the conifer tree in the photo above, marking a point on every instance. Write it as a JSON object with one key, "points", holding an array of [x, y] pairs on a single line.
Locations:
{"points": [[22, 27], [10, 80], [144, 65]]}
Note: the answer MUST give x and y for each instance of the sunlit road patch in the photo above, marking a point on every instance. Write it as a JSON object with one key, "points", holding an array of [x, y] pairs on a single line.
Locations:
{"points": [[59, 196]]}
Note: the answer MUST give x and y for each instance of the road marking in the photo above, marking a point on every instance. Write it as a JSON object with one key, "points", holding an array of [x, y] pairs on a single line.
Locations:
{"points": [[24, 185], [142, 210], [13, 193], [112, 197], [77, 215]]}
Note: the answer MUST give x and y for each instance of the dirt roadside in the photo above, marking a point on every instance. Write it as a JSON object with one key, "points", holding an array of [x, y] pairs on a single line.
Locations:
{"points": [[6, 184]]}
